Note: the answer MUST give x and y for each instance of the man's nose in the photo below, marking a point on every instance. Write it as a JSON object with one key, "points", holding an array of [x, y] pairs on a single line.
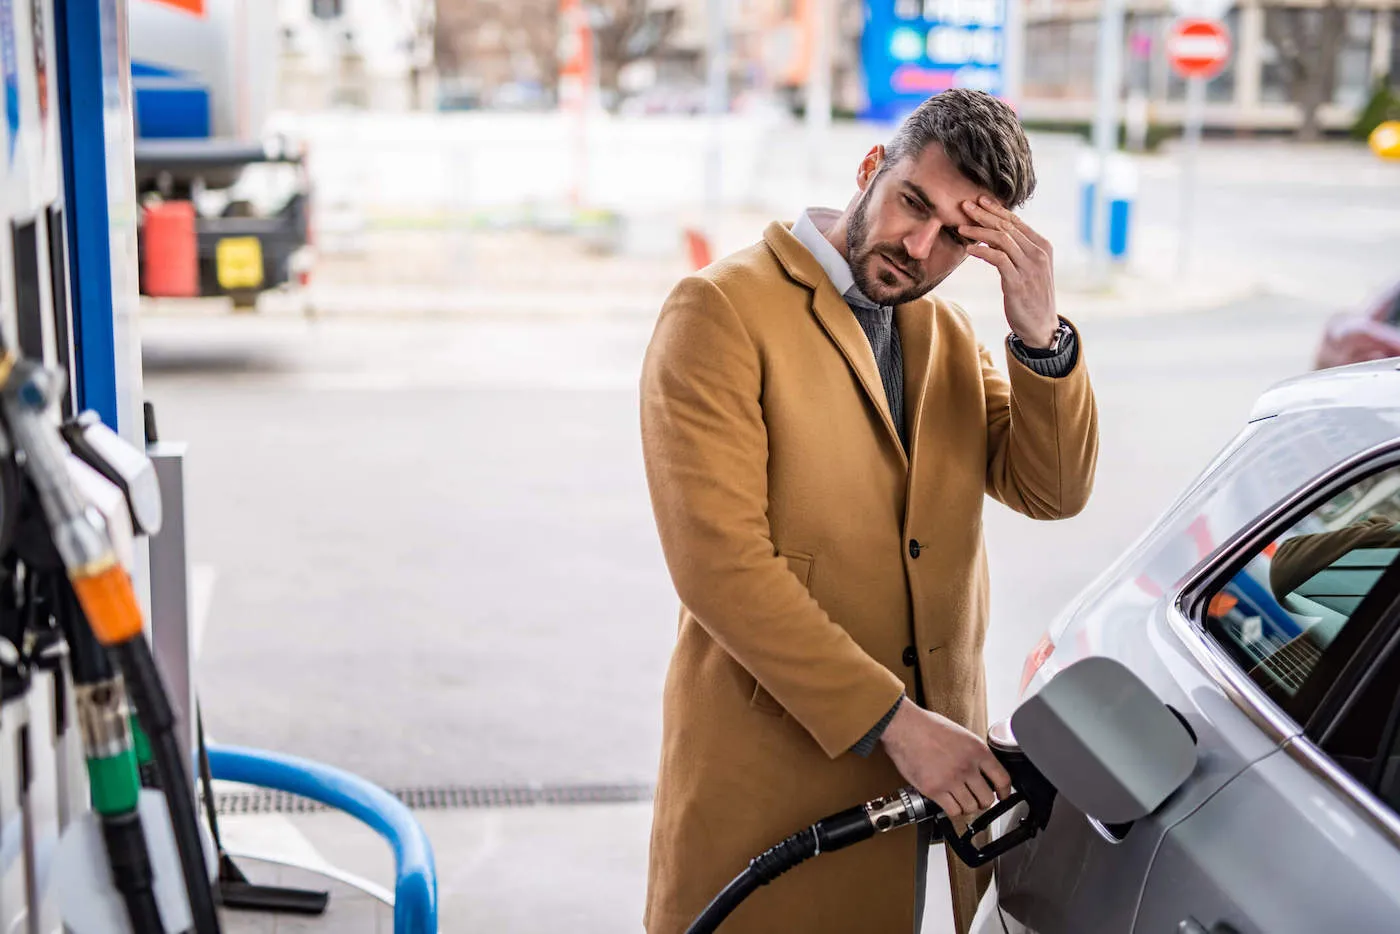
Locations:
{"points": [[919, 244]]}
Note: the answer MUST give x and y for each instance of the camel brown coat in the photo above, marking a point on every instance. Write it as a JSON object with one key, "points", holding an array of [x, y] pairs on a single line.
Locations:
{"points": [[786, 506]]}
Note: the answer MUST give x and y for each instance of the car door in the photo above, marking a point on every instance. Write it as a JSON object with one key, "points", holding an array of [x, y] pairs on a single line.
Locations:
{"points": [[1301, 624], [1079, 875]]}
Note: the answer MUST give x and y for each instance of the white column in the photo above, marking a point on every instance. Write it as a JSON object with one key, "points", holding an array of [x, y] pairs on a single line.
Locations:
{"points": [[819, 84], [1249, 62], [1158, 71], [1381, 45], [717, 48], [1013, 66], [1109, 85]]}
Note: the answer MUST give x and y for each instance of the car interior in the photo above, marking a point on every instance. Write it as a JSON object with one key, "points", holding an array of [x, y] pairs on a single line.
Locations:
{"points": [[1321, 605]]}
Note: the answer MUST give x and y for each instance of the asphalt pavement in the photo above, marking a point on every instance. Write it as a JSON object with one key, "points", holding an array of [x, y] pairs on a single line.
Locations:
{"points": [[436, 564]]}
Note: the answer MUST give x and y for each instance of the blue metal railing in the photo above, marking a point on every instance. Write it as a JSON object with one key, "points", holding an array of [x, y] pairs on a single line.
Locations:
{"points": [[415, 885]]}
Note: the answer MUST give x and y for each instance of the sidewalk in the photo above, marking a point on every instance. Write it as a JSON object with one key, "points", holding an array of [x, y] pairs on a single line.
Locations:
{"points": [[524, 273], [1307, 221]]}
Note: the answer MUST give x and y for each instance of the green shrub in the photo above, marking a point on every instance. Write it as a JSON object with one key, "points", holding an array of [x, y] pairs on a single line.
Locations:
{"points": [[1156, 132], [1383, 105]]}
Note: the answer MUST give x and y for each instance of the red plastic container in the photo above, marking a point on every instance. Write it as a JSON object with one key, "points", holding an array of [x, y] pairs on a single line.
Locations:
{"points": [[170, 260]]}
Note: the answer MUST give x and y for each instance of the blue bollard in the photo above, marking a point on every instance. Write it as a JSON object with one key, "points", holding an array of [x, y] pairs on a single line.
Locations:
{"points": [[415, 888], [1121, 189]]}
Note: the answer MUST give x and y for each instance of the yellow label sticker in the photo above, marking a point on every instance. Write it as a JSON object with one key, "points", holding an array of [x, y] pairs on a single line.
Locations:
{"points": [[239, 262]]}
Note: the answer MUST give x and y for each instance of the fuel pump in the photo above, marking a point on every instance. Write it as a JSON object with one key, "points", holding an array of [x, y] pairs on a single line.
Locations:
{"points": [[67, 576], [73, 658]]}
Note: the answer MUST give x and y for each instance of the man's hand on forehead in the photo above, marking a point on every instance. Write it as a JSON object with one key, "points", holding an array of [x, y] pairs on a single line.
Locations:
{"points": [[1025, 261]]}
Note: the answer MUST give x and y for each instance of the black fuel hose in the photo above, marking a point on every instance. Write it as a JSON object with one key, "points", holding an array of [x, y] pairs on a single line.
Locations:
{"points": [[879, 815], [158, 720], [111, 764], [836, 832], [131, 871]]}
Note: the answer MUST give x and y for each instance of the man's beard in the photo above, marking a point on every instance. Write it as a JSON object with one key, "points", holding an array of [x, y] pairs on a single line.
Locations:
{"points": [[883, 286]]}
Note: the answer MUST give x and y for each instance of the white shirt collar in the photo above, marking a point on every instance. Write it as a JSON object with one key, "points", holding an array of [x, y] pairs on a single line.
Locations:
{"points": [[808, 231]]}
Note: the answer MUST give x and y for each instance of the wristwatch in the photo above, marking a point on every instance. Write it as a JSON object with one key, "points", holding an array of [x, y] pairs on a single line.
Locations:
{"points": [[1057, 342]]}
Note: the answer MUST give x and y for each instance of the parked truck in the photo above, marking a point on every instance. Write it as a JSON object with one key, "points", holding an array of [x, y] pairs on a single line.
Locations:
{"points": [[225, 205]]}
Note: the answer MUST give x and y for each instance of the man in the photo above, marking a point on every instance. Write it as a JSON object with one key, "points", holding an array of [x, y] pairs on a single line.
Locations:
{"points": [[819, 435]]}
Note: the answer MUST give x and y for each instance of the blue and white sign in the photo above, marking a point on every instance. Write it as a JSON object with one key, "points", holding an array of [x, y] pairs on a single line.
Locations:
{"points": [[9, 64], [912, 49]]}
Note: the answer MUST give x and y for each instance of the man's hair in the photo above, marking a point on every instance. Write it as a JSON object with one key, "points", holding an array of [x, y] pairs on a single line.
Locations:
{"points": [[982, 137]]}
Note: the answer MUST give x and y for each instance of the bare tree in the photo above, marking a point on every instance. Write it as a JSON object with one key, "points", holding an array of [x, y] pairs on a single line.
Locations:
{"points": [[1309, 42], [498, 40], [422, 17], [627, 31]]}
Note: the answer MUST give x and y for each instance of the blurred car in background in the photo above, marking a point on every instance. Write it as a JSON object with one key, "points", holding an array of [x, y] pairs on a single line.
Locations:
{"points": [[225, 200], [1356, 337]]}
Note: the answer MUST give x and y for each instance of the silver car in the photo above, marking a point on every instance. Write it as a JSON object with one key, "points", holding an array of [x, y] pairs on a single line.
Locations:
{"points": [[1264, 609]]}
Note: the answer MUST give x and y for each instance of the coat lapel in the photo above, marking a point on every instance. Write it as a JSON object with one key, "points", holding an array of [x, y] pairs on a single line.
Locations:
{"points": [[838, 321], [915, 323]]}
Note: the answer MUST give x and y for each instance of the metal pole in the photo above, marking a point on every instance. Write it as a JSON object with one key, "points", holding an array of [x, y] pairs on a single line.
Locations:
{"points": [[1195, 116], [1014, 52], [818, 116], [172, 630], [718, 100], [1109, 81]]}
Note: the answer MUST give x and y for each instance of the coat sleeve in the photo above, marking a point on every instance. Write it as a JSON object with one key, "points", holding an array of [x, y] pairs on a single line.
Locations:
{"points": [[1042, 437], [706, 452], [1301, 557]]}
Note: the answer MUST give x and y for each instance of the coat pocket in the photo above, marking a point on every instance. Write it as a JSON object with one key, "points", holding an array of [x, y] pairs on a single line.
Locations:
{"points": [[800, 565]]}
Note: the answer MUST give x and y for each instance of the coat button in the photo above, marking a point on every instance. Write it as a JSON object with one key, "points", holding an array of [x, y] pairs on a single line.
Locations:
{"points": [[914, 547], [910, 656]]}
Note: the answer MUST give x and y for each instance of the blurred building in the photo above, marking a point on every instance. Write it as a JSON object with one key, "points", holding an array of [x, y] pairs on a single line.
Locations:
{"points": [[497, 53], [374, 54], [771, 44], [1253, 93], [504, 53]]}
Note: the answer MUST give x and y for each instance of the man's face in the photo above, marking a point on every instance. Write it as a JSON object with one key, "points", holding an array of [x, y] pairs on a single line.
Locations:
{"points": [[902, 238]]}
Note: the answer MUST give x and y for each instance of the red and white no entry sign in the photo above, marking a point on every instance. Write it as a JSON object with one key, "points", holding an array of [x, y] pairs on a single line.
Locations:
{"points": [[1198, 48]]}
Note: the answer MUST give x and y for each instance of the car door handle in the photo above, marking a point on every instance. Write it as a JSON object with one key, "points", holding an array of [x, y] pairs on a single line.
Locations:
{"points": [[1192, 926]]}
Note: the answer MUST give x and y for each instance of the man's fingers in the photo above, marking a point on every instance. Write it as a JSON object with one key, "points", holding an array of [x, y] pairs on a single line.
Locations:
{"points": [[996, 774], [1029, 233], [990, 254], [1003, 240], [990, 206], [981, 791], [948, 803], [967, 801]]}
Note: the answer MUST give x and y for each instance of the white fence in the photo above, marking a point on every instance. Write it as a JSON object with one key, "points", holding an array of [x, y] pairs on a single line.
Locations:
{"points": [[412, 167]]}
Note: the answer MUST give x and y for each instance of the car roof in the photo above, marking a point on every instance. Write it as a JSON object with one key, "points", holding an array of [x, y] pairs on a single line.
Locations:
{"points": [[1371, 385]]}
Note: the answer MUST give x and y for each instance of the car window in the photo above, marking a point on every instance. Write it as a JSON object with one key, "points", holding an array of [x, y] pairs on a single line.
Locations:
{"points": [[1301, 606], [1384, 771], [1367, 725]]}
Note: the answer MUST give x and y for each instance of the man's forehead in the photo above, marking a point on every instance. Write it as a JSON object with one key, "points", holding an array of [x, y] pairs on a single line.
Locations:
{"points": [[934, 173]]}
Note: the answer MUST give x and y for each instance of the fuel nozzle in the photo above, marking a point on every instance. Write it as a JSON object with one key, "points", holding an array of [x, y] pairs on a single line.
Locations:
{"points": [[1029, 788], [905, 806]]}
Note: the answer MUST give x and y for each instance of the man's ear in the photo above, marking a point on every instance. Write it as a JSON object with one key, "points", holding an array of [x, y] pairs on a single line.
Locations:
{"points": [[870, 166]]}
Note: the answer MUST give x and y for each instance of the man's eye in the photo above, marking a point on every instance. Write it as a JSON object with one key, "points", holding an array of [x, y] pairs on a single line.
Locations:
{"points": [[957, 238], [912, 204]]}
